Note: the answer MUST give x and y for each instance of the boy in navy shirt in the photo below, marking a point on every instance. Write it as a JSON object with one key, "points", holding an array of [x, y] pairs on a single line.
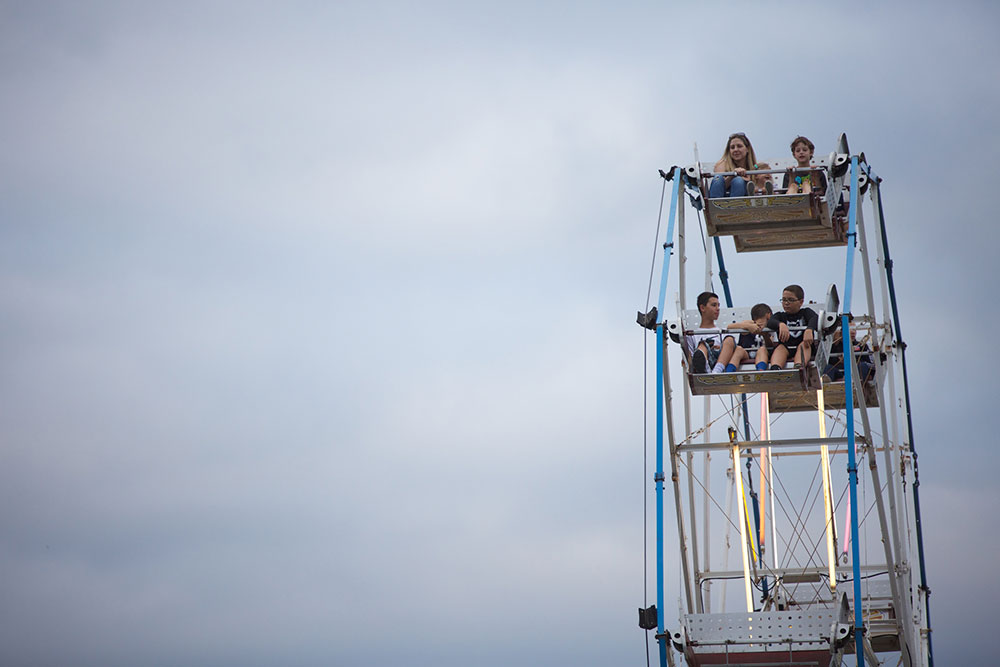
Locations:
{"points": [[757, 340]]}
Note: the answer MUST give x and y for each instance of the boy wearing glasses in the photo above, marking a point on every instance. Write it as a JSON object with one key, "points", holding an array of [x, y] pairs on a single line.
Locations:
{"points": [[798, 342]]}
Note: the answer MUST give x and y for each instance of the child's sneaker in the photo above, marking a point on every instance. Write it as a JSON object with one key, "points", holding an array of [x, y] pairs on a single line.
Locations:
{"points": [[698, 362], [750, 188], [769, 188]]}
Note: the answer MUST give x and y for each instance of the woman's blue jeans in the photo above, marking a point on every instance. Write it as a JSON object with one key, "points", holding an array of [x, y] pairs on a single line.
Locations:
{"points": [[737, 187]]}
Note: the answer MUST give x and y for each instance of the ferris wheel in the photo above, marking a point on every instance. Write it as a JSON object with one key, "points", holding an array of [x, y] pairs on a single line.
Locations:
{"points": [[790, 499]]}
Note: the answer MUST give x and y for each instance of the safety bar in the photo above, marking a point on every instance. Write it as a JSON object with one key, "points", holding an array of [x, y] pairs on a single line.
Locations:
{"points": [[785, 170]]}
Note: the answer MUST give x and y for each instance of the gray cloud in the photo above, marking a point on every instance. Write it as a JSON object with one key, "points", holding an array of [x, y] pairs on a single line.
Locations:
{"points": [[317, 321]]}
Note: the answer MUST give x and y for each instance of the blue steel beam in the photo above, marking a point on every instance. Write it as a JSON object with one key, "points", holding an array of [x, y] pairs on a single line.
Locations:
{"points": [[659, 477], [668, 244], [852, 463]]}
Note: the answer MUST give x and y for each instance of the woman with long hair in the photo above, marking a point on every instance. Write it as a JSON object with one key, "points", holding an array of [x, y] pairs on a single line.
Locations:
{"points": [[738, 157]]}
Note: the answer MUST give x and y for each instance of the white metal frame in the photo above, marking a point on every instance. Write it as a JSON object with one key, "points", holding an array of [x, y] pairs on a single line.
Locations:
{"points": [[884, 484]]}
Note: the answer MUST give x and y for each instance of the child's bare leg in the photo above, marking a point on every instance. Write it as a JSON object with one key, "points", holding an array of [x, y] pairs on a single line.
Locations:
{"points": [[806, 187], [728, 347], [761, 354], [802, 354], [779, 356], [740, 355]]}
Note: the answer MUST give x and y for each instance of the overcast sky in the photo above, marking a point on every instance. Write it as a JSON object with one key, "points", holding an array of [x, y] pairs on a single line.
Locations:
{"points": [[317, 319]]}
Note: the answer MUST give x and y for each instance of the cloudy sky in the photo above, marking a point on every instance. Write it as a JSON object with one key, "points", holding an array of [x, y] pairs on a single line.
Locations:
{"points": [[317, 319]]}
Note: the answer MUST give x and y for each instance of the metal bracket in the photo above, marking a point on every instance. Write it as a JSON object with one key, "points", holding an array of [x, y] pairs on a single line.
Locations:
{"points": [[647, 320], [669, 174], [647, 618]]}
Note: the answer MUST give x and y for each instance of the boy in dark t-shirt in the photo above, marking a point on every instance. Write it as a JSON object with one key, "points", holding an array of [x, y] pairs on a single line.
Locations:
{"points": [[757, 342], [797, 342]]}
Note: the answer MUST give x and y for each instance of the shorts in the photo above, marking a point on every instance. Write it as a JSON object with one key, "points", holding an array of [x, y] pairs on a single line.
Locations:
{"points": [[792, 344], [713, 343]]}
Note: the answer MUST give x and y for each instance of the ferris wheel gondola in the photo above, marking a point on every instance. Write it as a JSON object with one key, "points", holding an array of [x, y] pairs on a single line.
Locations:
{"points": [[809, 595]]}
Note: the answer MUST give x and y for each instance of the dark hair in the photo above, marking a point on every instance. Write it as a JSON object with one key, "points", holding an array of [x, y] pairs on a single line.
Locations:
{"points": [[704, 297], [760, 310], [796, 290], [803, 140]]}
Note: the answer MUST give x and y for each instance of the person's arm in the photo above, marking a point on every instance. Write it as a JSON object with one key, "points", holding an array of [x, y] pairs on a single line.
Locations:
{"points": [[746, 325], [812, 319], [812, 325], [775, 324], [719, 166]]}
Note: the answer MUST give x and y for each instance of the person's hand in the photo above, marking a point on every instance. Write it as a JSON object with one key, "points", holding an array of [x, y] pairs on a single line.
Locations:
{"points": [[782, 332], [740, 171], [754, 328], [807, 337]]}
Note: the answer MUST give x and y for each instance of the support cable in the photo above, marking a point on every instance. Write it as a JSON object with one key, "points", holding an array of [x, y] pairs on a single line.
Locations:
{"points": [[909, 427], [645, 420], [656, 241]]}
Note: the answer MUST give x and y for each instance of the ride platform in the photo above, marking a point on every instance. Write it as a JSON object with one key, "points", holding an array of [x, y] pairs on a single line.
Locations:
{"points": [[802, 638], [833, 398], [791, 381]]}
